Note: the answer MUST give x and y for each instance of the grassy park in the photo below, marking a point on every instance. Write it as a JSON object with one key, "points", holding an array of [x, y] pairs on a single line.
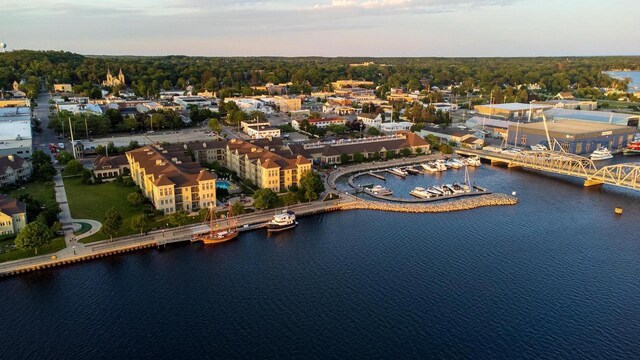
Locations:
{"points": [[93, 201]]}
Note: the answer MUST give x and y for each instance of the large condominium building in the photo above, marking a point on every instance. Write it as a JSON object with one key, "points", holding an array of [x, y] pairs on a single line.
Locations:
{"points": [[264, 162], [170, 179], [351, 83]]}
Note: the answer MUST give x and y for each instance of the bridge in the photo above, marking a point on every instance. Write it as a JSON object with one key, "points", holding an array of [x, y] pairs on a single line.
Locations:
{"points": [[559, 162]]}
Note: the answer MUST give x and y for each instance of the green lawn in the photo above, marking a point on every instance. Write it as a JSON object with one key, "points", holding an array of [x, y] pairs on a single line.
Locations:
{"points": [[43, 192], [93, 201], [55, 245]]}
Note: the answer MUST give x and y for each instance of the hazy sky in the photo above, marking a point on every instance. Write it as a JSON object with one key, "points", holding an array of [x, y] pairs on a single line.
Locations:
{"points": [[324, 27]]}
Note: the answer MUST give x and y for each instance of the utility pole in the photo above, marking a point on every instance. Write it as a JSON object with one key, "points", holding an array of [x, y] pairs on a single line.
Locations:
{"points": [[86, 128], [73, 146]]}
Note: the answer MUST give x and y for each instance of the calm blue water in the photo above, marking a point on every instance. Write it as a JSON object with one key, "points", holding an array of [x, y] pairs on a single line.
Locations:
{"points": [[634, 75], [557, 276]]}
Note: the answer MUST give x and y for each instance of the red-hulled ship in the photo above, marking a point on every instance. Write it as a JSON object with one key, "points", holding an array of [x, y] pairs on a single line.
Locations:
{"points": [[632, 149]]}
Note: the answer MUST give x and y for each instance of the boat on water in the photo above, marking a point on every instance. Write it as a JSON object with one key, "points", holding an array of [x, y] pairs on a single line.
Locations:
{"points": [[461, 188], [444, 189], [435, 191], [413, 171], [454, 163], [429, 167], [632, 149], [440, 165], [473, 161], [398, 172], [538, 147], [216, 234], [284, 221], [601, 153], [421, 193], [379, 190]]}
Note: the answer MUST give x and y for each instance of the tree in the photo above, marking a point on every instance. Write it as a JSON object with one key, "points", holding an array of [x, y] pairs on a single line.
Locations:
{"points": [[372, 131], [64, 157], [139, 223], [43, 170], [135, 199], [111, 223], [214, 125], [178, 218], [290, 198], [74, 167], [33, 235], [311, 185], [405, 152], [264, 199], [237, 208]]}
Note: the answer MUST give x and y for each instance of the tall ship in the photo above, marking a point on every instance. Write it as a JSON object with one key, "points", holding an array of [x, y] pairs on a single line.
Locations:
{"points": [[216, 234], [284, 221], [632, 149]]}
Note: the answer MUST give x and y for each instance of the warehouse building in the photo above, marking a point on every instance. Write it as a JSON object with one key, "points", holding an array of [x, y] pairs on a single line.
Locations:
{"points": [[511, 110], [575, 136], [594, 116]]}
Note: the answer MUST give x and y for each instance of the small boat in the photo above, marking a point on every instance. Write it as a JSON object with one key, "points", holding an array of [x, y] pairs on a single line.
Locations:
{"points": [[283, 221], [632, 149], [601, 153], [398, 172], [429, 167], [421, 193], [454, 163], [461, 188], [445, 190], [216, 234], [473, 161], [440, 165], [435, 191], [538, 147], [413, 171], [379, 190]]}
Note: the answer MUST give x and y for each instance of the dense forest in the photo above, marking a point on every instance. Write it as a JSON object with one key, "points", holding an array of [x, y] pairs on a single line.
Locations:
{"points": [[148, 75]]}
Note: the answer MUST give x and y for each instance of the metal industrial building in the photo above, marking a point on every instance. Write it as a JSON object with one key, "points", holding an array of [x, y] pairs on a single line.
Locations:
{"points": [[594, 116], [575, 136]]}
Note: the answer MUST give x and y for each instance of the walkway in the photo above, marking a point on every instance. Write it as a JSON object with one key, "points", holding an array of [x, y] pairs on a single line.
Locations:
{"points": [[70, 239]]}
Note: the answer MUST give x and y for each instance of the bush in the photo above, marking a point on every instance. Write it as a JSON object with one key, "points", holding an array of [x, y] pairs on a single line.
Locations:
{"points": [[135, 199], [74, 167]]}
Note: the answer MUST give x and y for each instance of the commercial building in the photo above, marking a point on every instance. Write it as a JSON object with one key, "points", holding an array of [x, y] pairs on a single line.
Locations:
{"points": [[186, 101], [15, 131], [370, 147], [512, 110], [321, 123], [572, 104], [107, 168], [393, 127], [574, 136], [62, 88], [13, 103], [369, 119], [81, 108], [266, 163], [351, 83], [14, 169], [13, 215], [594, 116], [170, 179]]}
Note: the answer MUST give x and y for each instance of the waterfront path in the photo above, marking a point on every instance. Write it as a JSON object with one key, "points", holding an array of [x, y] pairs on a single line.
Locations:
{"points": [[67, 221]]}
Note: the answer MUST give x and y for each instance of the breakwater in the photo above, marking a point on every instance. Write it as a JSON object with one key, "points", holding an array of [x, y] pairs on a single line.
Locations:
{"points": [[456, 205]]}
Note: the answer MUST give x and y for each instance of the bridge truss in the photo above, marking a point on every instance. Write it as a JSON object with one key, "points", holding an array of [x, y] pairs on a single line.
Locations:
{"points": [[623, 175], [556, 162]]}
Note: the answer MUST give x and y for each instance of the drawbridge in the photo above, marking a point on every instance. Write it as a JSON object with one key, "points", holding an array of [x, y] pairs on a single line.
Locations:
{"points": [[625, 175]]}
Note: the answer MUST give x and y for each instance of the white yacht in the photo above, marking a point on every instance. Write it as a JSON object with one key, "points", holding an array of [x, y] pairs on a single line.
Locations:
{"points": [[379, 190], [456, 163], [429, 167], [283, 221], [440, 165], [421, 193], [601, 153], [473, 161], [538, 147], [398, 172]]}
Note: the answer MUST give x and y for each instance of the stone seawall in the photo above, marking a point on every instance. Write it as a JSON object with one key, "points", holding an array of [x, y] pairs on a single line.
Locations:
{"points": [[455, 205]]}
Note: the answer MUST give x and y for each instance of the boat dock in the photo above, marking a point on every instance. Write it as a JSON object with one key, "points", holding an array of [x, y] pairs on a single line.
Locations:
{"points": [[377, 176]]}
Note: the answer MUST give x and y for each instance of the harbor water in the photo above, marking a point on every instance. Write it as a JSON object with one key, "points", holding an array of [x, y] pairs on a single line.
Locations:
{"points": [[556, 276]]}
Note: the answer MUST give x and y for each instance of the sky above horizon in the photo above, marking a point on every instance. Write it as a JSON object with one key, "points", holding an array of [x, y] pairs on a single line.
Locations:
{"points": [[367, 28]]}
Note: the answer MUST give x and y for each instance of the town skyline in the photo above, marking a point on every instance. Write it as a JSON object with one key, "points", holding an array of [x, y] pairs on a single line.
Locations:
{"points": [[337, 28]]}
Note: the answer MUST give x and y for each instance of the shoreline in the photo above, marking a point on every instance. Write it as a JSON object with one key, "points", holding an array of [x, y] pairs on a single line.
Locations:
{"points": [[158, 239]]}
